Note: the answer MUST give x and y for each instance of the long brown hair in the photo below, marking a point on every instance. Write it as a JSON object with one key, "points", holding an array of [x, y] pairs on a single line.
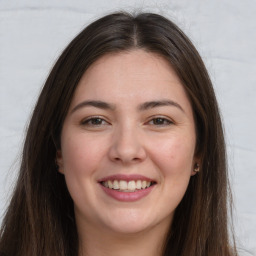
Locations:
{"points": [[40, 218]]}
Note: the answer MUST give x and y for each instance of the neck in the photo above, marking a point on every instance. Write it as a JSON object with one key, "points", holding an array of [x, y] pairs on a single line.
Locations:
{"points": [[95, 242]]}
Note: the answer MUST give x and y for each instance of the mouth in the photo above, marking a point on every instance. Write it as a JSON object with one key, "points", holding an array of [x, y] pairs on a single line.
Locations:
{"points": [[127, 186]]}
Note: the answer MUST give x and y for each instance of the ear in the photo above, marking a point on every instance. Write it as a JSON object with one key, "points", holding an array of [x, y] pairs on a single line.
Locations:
{"points": [[59, 161], [196, 166]]}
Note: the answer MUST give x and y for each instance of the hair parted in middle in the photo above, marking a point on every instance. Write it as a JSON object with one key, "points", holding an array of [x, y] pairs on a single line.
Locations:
{"points": [[200, 222]]}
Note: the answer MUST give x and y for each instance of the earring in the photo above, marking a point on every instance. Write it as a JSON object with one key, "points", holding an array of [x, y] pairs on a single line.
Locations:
{"points": [[196, 167]]}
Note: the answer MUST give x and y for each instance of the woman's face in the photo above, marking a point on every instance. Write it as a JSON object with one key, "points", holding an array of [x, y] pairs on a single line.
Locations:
{"points": [[128, 144]]}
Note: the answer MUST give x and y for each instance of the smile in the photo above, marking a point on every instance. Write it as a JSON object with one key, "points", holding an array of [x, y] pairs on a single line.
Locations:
{"points": [[127, 186]]}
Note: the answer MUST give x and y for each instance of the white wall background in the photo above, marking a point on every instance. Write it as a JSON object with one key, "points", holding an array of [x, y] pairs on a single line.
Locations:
{"points": [[33, 33]]}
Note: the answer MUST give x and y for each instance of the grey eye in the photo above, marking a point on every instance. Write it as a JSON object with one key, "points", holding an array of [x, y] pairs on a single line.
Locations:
{"points": [[160, 121], [94, 121]]}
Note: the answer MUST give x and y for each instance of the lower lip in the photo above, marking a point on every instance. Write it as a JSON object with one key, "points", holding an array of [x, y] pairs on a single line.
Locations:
{"points": [[127, 196]]}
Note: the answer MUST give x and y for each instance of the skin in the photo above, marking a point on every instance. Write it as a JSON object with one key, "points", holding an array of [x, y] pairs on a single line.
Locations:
{"points": [[157, 142]]}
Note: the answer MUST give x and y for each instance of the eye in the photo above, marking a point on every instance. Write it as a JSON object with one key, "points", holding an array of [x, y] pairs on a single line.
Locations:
{"points": [[160, 121], [94, 122]]}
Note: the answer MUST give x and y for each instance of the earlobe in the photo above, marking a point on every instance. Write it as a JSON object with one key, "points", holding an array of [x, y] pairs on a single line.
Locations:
{"points": [[59, 161], [196, 168]]}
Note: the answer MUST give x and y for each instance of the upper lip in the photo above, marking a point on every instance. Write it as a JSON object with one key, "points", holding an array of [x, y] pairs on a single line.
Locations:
{"points": [[126, 177]]}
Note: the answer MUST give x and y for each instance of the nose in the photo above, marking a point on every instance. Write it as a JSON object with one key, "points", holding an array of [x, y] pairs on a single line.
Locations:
{"points": [[127, 147]]}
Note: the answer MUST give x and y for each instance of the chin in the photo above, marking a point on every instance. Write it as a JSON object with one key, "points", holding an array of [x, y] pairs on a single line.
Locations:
{"points": [[128, 228], [133, 222]]}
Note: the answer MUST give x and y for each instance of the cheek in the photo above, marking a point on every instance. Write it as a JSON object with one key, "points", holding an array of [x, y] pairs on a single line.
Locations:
{"points": [[174, 156], [81, 158], [174, 159], [81, 155]]}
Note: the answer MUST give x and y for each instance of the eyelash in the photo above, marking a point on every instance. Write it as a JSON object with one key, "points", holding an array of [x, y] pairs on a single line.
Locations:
{"points": [[89, 121], [164, 121], [153, 121]]}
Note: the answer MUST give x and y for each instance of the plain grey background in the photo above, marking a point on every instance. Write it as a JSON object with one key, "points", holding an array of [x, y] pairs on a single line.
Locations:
{"points": [[33, 34]]}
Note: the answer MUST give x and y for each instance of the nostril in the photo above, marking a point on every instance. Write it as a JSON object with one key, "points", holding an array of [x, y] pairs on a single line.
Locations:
{"points": [[127, 160]]}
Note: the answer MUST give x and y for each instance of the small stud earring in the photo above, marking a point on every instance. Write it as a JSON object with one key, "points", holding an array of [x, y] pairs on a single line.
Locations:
{"points": [[196, 167]]}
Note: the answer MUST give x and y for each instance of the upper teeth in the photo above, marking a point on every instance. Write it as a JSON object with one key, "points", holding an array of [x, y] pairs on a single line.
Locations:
{"points": [[129, 186]]}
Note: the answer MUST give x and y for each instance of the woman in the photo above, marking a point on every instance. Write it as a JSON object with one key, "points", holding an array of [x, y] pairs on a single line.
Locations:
{"points": [[125, 152]]}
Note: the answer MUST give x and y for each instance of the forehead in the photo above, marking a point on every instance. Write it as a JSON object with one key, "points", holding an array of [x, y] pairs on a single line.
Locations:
{"points": [[133, 65], [131, 76]]}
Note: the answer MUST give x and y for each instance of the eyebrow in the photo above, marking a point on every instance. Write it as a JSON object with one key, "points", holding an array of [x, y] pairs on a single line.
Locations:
{"points": [[94, 103], [159, 103], [144, 106]]}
